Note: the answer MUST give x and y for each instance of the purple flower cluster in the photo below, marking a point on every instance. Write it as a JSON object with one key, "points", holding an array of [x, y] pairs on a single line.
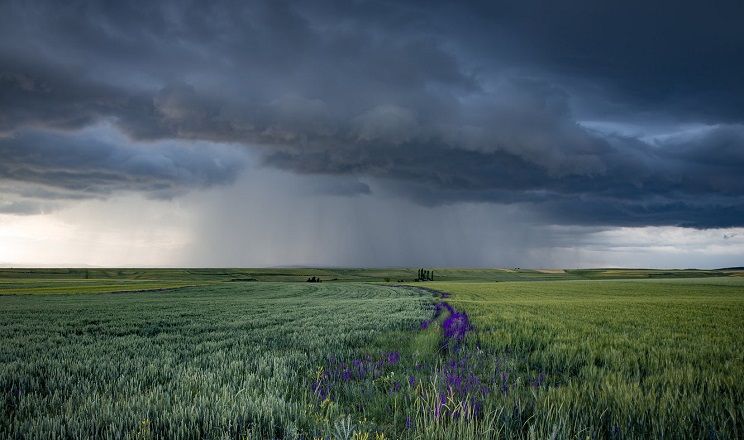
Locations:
{"points": [[362, 369], [454, 384], [454, 327]]}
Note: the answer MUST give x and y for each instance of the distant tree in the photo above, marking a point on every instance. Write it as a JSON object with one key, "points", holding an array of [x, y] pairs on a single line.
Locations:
{"points": [[425, 275]]}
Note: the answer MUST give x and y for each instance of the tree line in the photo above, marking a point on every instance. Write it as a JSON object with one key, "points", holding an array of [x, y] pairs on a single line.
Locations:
{"points": [[425, 275]]}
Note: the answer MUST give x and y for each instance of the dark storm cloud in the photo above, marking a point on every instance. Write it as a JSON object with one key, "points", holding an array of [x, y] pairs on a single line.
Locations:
{"points": [[441, 103], [671, 55], [48, 165]]}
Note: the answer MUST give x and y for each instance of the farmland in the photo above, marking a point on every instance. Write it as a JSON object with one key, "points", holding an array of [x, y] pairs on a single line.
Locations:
{"points": [[102, 280], [503, 354], [200, 362], [626, 359]]}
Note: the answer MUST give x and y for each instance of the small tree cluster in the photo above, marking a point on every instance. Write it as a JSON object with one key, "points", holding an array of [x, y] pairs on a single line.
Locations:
{"points": [[425, 275], [314, 280]]}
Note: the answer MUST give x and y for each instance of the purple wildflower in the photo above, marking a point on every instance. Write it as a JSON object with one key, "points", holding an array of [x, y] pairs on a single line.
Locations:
{"points": [[477, 408], [455, 326], [393, 357]]}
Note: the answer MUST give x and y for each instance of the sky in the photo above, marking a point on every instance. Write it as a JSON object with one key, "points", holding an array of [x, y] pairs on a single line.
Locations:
{"points": [[355, 133]]}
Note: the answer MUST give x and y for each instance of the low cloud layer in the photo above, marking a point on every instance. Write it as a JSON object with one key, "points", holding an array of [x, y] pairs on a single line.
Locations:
{"points": [[430, 102], [44, 168]]}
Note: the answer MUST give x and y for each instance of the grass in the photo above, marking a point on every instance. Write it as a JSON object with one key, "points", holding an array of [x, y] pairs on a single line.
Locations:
{"points": [[25, 287], [621, 359], [231, 361], [654, 356]]}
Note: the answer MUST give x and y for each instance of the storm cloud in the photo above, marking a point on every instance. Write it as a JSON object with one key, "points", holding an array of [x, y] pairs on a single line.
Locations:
{"points": [[432, 102], [48, 166]]}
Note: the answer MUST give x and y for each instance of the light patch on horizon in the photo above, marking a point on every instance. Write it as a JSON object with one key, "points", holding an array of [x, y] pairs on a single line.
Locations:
{"points": [[127, 231], [659, 247], [25, 238]]}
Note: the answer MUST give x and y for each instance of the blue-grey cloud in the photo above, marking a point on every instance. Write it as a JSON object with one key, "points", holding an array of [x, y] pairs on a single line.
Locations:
{"points": [[437, 102], [51, 165]]}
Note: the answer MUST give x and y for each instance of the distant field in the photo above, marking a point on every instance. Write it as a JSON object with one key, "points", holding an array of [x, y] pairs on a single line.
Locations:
{"points": [[550, 354], [27, 281], [66, 286]]}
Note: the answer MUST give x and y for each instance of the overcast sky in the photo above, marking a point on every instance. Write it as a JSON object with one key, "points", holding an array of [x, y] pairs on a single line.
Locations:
{"points": [[372, 133]]}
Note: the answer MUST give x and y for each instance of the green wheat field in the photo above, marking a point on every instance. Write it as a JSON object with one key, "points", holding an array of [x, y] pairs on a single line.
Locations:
{"points": [[371, 354]]}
